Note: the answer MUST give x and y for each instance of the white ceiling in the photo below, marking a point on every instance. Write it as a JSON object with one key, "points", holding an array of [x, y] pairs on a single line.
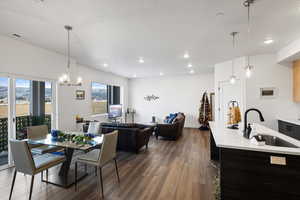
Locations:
{"points": [[120, 31]]}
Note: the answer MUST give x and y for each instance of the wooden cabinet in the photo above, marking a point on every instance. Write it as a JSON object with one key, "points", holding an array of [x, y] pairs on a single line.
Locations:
{"points": [[289, 129], [296, 80], [250, 175]]}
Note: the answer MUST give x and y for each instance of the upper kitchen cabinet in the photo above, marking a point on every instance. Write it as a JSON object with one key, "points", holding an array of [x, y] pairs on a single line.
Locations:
{"points": [[296, 81], [290, 56]]}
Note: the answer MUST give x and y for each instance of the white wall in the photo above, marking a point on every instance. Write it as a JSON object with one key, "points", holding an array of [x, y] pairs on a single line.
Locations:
{"points": [[267, 73], [26, 60], [222, 73], [176, 94]]}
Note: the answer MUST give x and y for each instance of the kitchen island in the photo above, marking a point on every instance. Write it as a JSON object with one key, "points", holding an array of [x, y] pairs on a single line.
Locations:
{"points": [[250, 171]]}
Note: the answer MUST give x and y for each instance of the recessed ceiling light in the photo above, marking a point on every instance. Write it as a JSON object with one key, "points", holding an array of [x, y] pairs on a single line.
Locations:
{"points": [[269, 41], [186, 55], [190, 65], [134, 75], [161, 73], [192, 72], [141, 60], [16, 35], [105, 65]]}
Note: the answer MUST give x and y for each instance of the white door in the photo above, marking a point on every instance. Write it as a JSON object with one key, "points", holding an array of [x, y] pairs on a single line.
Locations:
{"points": [[229, 92]]}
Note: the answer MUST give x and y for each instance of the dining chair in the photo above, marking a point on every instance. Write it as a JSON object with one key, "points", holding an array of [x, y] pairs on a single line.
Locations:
{"points": [[94, 128], [26, 164], [100, 157], [37, 133]]}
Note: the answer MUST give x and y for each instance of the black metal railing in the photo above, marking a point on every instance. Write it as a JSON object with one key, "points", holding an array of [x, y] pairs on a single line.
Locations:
{"points": [[3, 134], [22, 122]]}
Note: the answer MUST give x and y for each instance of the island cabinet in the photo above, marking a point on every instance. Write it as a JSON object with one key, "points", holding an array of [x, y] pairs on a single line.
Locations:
{"points": [[214, 150], [254, 175], [289, 129]]}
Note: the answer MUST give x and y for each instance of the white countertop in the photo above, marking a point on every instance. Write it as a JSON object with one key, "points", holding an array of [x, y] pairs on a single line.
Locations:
{"points": [[233, 139], [289, 120]]}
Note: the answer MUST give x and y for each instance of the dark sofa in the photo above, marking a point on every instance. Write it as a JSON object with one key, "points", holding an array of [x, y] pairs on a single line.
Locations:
{"points": [[131, 137], [171, 130]]}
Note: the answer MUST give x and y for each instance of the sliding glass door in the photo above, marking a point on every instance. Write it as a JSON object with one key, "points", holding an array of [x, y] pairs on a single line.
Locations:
{"points": [[23, 103], [4, 111], [33, 105]]}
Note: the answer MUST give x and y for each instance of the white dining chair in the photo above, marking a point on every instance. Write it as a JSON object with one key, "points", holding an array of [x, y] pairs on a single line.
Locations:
{"points": [[37, 133], [100, 157], [26, 164], [94, 128]]}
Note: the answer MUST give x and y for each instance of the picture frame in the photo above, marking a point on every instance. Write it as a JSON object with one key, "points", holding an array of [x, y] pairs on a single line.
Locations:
{"points": [[80, 94]]}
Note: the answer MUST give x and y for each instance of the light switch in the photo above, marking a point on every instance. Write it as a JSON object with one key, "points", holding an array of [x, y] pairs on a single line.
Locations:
{"points": [[277, 160]]}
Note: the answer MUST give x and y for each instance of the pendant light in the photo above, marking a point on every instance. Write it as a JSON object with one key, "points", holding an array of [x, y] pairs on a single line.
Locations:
{"points": [[65, 79], [232, 78], [249, 68]]}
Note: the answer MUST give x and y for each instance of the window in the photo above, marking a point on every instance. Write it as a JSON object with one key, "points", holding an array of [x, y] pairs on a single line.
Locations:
{"points": [[23, 97], [99, 98], [3, 97], [48, 98], [104, 95]]}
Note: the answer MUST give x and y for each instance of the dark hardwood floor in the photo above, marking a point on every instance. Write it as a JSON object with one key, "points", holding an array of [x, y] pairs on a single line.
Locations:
{"points": [[167, 170]]}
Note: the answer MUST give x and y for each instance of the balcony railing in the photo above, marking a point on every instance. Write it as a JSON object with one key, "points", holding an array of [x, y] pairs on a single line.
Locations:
{"points": [[22, 122]]}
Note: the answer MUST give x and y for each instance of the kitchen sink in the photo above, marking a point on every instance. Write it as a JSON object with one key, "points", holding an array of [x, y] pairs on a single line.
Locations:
{"points": [[274, 141]]}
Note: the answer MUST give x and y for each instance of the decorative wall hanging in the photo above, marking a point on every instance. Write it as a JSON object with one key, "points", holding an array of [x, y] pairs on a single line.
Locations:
{"points": [[80, 94], [151, 97]]}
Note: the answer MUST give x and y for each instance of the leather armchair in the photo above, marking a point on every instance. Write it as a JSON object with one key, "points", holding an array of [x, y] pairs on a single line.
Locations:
{"points": [[171, 131]]}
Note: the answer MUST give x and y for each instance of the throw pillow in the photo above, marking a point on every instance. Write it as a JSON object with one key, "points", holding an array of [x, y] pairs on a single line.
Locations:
{"points": [[171, 118]]}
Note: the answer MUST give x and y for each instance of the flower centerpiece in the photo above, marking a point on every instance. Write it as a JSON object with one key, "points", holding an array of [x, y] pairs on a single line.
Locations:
{"points": [[81, 139]]}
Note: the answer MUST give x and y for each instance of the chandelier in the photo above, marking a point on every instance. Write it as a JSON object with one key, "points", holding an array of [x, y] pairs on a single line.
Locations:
{"points": [[65, 79]]}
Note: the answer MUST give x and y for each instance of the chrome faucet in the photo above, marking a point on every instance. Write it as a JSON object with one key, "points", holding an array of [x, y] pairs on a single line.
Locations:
{"points": [[248, 129]]}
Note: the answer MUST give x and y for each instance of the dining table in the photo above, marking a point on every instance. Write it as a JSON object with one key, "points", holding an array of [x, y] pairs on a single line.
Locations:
{"points": [[65, 177]]}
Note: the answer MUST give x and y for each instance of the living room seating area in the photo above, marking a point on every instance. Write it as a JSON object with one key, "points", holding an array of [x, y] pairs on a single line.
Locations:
{"points": [[132, 137], [172, 128]]}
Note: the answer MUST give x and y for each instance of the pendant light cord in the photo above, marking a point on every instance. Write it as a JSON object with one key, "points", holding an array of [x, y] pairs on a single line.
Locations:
{"points": [[233, 45], [247, 4], [69, 62], [248, 32]]}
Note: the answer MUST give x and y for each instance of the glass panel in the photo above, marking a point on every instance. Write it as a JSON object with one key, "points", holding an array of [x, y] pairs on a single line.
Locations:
{"points": [[33, 105], [23, 99], [48, 98], [23, 96], [99, 98], [3, 121]]}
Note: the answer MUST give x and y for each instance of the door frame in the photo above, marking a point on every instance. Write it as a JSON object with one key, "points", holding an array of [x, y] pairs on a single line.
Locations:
{"points": [[12, 106], [220, 101]]}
